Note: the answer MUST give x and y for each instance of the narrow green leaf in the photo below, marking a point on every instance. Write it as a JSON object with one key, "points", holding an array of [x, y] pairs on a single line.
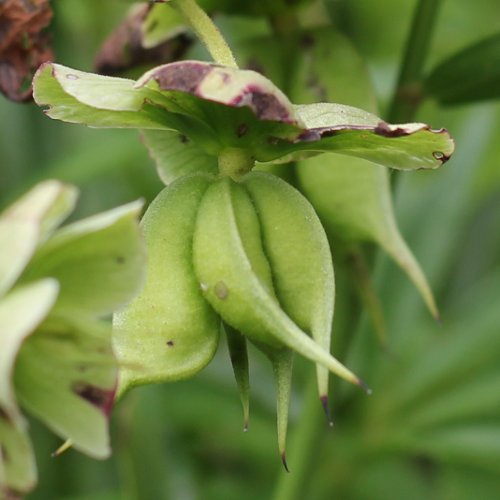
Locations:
{"points": [[29, 222], [474, 444], [66, 377], [21, 311], [98, 261], [473, 74]]}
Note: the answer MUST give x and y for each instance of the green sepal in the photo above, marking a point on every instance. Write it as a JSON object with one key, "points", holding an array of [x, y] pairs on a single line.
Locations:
{"points": [[21, 311], [28, 223], [98, 261], [296, 246], [18, 473], [237, 346], [66, 376], [97, 101], [221, 107], [352, 196], [168, 332]]}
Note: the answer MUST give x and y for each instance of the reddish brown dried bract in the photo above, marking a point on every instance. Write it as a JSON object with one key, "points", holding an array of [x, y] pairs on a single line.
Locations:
{"points": [[23, 46]]}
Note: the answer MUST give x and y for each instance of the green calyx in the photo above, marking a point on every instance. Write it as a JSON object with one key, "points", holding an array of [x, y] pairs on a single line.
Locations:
{"points": [[235, 163]]}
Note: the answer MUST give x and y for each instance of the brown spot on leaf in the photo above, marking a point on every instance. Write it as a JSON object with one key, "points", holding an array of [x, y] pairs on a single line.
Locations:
{"points": [[242, 130], [170, 343], [182, 76], [221, 290], [101, 398], [123, 49], [268, 107], [440, 156], [384, 130], [23, 45], [183, 138]]}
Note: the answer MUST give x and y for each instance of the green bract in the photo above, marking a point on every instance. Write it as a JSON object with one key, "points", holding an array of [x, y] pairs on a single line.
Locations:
{"points": [[55, 351], [352, 196], [219, 107]]}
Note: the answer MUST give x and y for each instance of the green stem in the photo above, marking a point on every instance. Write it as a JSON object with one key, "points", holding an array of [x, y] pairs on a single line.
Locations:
{"points": [[206, 31], [408, 94], [303, 447]]}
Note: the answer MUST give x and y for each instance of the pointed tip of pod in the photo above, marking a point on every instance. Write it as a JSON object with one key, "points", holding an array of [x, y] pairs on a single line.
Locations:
{"points": [[284, 462], [361, 383], [64, 447], [437, 316], [326, 409], [245, 424]]}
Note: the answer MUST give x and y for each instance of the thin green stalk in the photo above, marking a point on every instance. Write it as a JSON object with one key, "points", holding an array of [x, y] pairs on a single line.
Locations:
{"points": [[408, 94], [303, 447], [206, 31]]}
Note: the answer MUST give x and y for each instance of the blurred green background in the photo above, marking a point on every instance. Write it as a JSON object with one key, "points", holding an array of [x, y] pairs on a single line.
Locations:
{"points": [[432, 427]]}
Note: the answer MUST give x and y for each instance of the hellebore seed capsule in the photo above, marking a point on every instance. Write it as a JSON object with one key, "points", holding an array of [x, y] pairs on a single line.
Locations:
{"points": [[169, 331]]}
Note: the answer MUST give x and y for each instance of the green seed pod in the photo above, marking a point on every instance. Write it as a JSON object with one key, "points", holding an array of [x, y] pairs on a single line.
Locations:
{"points": [[296, 246], [169, 331], [237, 280]]}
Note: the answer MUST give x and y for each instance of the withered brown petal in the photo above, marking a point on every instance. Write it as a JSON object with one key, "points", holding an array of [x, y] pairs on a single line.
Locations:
{"points": [[124, 49], [23, 45]]}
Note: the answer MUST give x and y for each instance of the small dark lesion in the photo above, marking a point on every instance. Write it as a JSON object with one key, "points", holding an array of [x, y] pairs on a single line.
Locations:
{"points": [[170, 343], [184, 139], [182, 76], [97, 396], [440, 156], [307, 42], [242, 130], [221, 290], [268, 107], [120, 259]]}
